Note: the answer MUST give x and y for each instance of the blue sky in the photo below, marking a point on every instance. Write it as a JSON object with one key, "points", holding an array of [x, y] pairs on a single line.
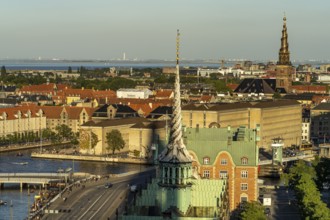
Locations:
{"points": [[146, 29]]}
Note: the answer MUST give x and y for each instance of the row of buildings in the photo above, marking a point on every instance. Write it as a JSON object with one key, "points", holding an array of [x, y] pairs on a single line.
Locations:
{"points": [[208, 152], [273, 116]]}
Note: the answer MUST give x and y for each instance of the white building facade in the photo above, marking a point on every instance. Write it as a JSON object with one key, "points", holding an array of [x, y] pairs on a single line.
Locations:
{"points": [[134, 93]]}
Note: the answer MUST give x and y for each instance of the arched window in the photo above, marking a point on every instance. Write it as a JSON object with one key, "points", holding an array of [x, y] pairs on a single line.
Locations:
{"points": [[244, 160], [206, 160], [214, 125]]}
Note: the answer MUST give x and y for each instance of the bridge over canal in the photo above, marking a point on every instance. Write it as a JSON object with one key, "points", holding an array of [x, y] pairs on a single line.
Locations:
{"points": [[288, 159], [33, 178]]}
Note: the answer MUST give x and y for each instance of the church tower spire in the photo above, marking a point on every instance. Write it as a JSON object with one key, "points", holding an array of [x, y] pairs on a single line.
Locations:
{"points": [[175, 161], [284, 54], [284, 68], [176, 151]]}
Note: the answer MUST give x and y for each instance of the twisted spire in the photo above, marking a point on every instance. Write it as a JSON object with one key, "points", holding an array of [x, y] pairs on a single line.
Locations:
{"points": [[284, 54], [176, 151]]}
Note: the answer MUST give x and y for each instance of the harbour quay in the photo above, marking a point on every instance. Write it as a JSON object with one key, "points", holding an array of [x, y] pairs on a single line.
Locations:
{"points": [[128, 160]]}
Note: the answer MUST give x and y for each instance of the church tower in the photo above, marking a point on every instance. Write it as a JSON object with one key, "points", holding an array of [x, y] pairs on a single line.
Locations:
{"points": [[284, 69], [175, 162]]}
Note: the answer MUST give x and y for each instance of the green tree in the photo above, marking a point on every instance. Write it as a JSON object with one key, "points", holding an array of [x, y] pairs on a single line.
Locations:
{"points": [[252, 210], [161, 79], [69, 69], [118, 83], [74, 139], [46, 133], [220, 86], [214, 76], [114, 141], [322, 168], [64, 132], [3, 71], [55, 138], [296, 171], [301, 178], [94, 141]]}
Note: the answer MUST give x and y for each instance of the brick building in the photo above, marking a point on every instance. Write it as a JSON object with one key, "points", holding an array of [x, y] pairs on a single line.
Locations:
{"points": [[226, 153]]}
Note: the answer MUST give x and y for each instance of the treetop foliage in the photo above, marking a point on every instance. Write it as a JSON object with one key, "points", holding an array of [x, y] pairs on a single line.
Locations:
{"points": [[114, 141]]}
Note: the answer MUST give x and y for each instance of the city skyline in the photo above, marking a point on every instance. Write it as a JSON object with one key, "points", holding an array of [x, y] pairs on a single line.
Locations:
{"points": [[144, 30]]}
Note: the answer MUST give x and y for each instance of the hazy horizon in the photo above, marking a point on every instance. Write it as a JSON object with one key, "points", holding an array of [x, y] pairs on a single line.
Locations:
{"points": [[146, 29]]}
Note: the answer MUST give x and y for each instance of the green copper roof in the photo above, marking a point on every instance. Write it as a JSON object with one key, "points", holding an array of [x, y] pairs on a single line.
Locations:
{"points": [[203, 193], [209, 142]]}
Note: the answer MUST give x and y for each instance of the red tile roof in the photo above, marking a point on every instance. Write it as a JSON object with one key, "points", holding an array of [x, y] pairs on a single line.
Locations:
{"points": [[317, 99], [146, 108], [164, 94], [206, 98], [232, 86], [13, 111], [83, 94], [309, 88], [46, 88], [54, 112]]}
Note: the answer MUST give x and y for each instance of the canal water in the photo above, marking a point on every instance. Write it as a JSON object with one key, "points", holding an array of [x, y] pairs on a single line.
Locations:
{"points": [[18, 203]]}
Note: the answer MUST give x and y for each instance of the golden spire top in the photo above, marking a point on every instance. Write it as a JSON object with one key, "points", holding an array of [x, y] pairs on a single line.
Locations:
{"points": [[284, 54]]}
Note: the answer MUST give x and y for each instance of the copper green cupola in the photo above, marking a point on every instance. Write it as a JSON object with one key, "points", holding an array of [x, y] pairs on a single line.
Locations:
{"points": [[284, 54]]}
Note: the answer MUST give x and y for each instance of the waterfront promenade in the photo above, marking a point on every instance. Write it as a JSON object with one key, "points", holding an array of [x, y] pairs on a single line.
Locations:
{"points": [[17, 147], [116, 159]]}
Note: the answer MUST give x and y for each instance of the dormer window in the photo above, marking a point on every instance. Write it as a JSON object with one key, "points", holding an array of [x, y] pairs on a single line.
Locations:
{"points": [[206, 160], [244, 160]]}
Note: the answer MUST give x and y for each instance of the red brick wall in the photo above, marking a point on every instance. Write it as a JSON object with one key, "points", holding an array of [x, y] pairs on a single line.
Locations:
{"points": [[234, 177]]}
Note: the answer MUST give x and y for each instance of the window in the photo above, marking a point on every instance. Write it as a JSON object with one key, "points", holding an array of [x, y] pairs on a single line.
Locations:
{"points": [[244, 161], [244, 199], [206, 160], [244, 186], [223, 162], [206, 174], [223, 174], [244, 174]]}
